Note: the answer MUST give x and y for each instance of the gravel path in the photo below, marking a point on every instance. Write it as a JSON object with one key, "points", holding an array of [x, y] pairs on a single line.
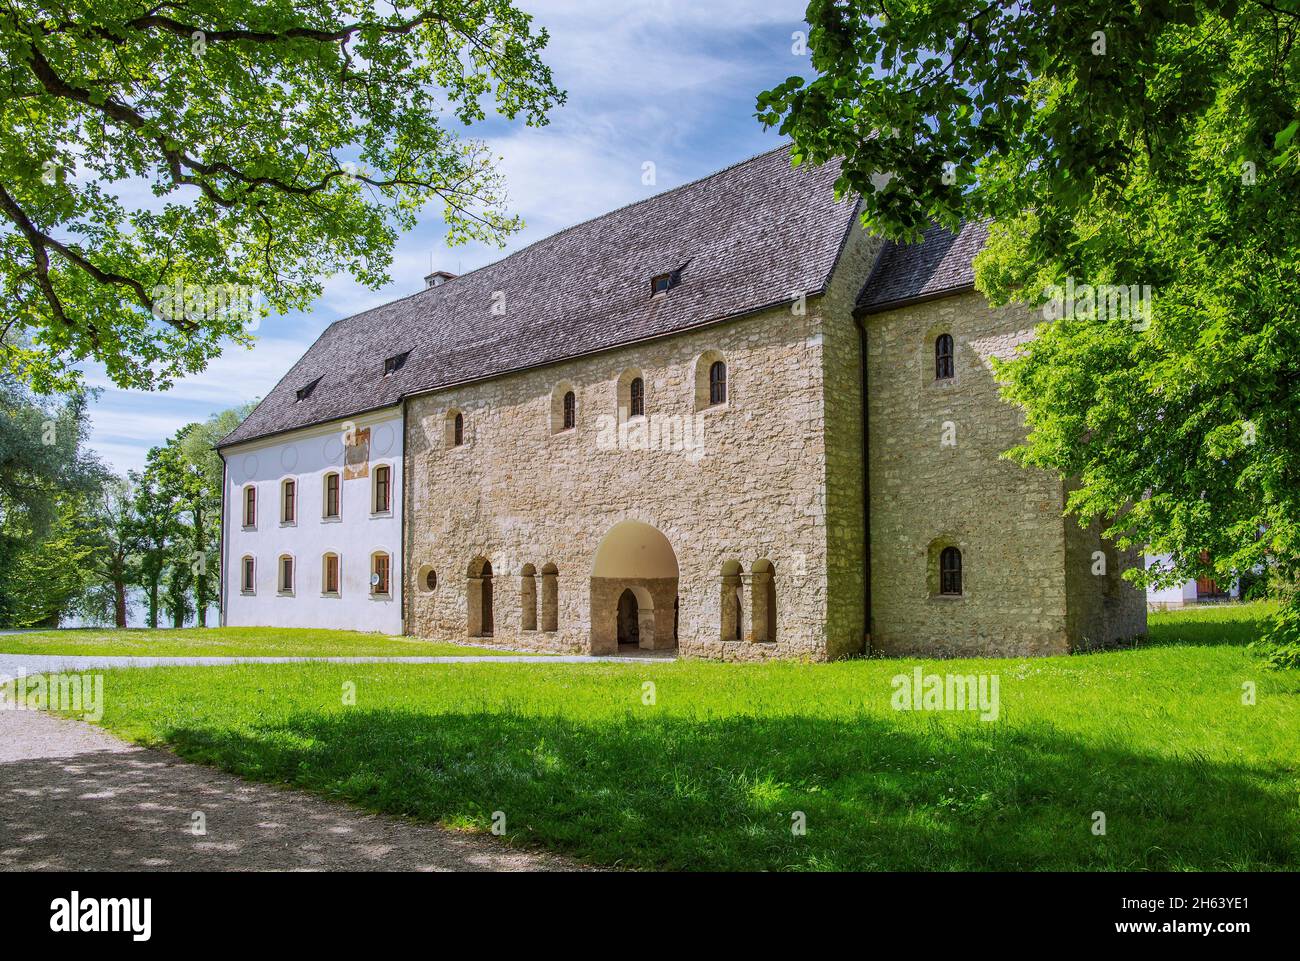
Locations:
{"points": [[75, 798], [12, 664]]}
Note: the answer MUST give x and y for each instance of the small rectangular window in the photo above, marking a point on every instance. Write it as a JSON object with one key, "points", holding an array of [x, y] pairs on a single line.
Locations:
{"points": [[393, 364], [305, 390], [250, 506], [379, 583], [661, 283], [331, 495], [290, 507], [286, 575], [247, 584], [383, 489], [331, 573]]}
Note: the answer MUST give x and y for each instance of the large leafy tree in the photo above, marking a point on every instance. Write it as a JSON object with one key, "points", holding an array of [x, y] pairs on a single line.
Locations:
{"points": [[282, 141], [1130, 143], [46, 471], [112, 532], [157, 529], [189, 474]]}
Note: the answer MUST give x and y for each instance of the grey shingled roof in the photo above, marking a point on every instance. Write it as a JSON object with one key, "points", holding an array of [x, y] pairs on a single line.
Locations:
{"points": [[748, 237], [939, 264]]}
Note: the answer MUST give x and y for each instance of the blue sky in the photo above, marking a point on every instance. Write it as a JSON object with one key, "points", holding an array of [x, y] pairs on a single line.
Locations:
{"points": [[668, 81]]}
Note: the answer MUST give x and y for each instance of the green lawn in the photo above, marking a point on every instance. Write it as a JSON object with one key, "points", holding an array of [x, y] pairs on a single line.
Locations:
{"points": [[1157, 738], [229, 642]]}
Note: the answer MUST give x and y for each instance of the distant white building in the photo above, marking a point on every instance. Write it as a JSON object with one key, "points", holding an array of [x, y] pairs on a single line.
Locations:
{"points": [[312, 526], [1202, 590]]}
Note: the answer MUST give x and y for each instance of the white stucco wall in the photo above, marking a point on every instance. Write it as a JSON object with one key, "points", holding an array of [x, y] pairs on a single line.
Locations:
{"points": [[1179, 594], [307, 456]]}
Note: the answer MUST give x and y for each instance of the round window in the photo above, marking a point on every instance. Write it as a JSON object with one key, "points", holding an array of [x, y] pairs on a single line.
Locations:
{"points": [[428, 579]]}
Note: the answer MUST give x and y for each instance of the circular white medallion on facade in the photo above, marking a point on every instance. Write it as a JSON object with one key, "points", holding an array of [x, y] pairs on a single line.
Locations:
{"points": [[289, 457], [333, 449], [381, 439], [250, 465]]}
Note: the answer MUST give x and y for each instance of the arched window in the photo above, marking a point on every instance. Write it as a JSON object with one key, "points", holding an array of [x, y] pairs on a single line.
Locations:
{"points": [[710, 380], [286, 574], [528, 598], [717, 383], [250, 506], [732, 602], [248, 580], [329, 575], [564, 407], [289, 502], [380, 574], [943, 361], [330, 501], [950, 571], [458, 430], [636, 407], [383, 493], [550, 598]]}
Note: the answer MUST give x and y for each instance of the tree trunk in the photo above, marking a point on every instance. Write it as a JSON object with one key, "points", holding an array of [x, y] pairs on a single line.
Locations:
{"points": [[153, 603], [201, 575], [119, 601]]}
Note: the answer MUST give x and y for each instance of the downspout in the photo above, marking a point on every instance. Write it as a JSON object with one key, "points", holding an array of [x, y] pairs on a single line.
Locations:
{"points": [[221, 546], [866, 484]]}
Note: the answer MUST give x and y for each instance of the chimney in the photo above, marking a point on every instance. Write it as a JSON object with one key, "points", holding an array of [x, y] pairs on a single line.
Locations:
{"points": [[438, 278]]}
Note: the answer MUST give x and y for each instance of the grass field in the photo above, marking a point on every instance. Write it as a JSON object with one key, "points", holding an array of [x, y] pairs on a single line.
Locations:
{"points": [[711, 774], [229, 642]]}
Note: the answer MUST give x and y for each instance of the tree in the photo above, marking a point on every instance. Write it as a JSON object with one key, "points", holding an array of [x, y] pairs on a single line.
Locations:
{"points": [[190, 475], [1121, 148], [46, 578], [45, 469], [156, 530], [111, 531], [283, 142]]}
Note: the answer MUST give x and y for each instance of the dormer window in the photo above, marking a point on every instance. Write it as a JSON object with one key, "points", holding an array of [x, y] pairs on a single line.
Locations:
{"points": [[393, 364], [662, 283], [305, 390]]}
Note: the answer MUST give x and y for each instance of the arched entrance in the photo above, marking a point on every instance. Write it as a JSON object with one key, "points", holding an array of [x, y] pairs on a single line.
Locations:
{"points": [[629, 630], [478, 598], [634, 591]]}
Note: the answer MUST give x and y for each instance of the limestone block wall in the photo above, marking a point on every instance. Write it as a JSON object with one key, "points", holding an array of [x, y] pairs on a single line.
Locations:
{"points": [[937, 480], [743, 481], [842, 405], [1034, 581], [1103, 608]]}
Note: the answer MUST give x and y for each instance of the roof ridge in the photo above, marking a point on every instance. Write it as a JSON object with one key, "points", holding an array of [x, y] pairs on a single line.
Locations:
{"points": [[761, 226], [565, 230]]}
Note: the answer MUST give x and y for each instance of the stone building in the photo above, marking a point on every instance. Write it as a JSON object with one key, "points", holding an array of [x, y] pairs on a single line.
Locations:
{"points": [[648, 432]]}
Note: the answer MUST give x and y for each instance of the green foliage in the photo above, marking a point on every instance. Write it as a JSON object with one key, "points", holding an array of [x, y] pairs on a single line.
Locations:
{"points": [[46, 473], [1280, 647], [110, 529], [46, 578], [1148, 145], [282, 142], [182, 488]]}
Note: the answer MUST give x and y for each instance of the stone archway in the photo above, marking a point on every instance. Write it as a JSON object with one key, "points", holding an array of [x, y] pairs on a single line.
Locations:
{"points": [[634, 559], [478, 598]]}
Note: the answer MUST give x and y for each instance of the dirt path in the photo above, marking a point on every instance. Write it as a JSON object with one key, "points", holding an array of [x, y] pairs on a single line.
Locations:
{"points": [[75, 798]]}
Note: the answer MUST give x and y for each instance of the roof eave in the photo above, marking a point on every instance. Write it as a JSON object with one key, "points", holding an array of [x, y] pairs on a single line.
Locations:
{"points": [[865, 309]]}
